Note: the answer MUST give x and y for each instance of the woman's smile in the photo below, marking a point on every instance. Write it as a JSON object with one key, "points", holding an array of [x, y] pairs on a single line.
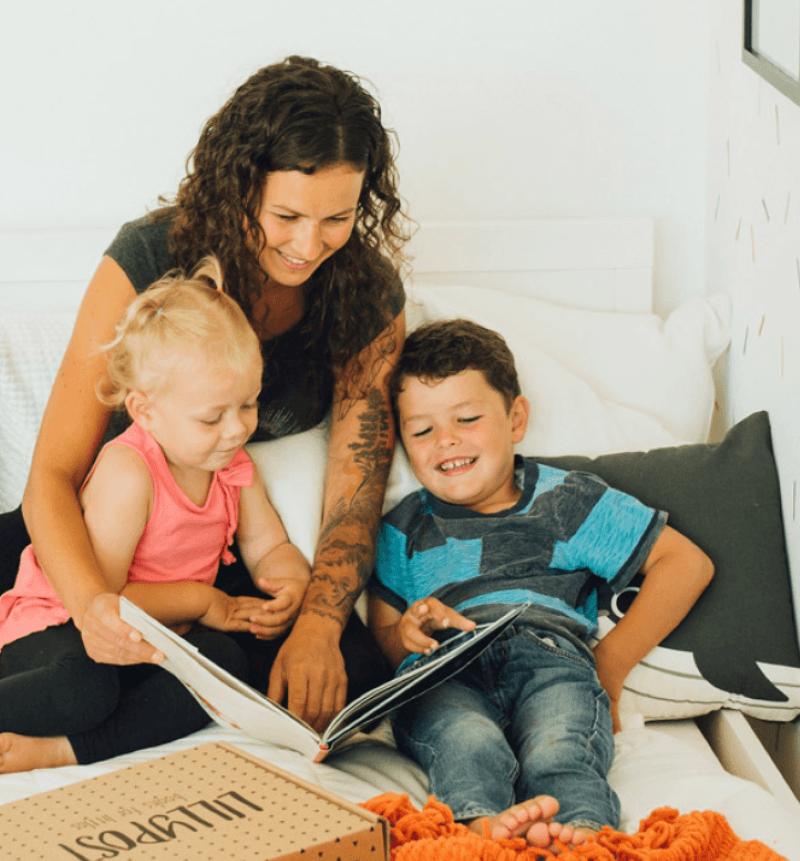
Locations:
{"points": [[306, 218]]}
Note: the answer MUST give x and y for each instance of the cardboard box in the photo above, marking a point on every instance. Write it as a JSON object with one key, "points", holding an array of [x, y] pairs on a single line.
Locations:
{"points": [[208, 803]]}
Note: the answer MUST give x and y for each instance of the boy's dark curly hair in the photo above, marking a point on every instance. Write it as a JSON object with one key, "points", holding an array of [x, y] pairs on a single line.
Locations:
{"points": [[443, 348], [295, 115]]}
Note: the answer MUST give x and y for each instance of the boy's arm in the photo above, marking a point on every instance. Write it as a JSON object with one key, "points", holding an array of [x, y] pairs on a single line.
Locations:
{"points": [[275, 564], [676, 573], [383, 623]]}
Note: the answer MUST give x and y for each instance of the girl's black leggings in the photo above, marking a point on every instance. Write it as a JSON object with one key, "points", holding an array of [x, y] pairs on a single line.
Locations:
{"points": [[49, 686]]}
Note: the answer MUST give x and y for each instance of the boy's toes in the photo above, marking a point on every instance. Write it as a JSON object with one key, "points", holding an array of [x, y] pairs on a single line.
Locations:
{"points": [[581, 835], [539, 835], [522, 819]]}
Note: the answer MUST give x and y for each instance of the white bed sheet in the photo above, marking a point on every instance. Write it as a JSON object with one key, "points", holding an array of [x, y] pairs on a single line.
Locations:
{"points": [[653, 768]]}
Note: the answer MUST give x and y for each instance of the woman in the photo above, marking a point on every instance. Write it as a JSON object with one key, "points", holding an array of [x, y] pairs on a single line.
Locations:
{"points": [[293, 187]]}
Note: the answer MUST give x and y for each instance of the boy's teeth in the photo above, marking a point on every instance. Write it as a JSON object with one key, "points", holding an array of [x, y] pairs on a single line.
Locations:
{"points": [[456, 464]]}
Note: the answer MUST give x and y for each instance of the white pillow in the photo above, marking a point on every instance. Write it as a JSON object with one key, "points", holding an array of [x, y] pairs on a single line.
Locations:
{"points": [[293, 469], [599, 382], [31, 347], [653, 770]]}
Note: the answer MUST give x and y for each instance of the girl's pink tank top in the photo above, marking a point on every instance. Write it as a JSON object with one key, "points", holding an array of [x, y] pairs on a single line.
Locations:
{"points": [[181, 540]]}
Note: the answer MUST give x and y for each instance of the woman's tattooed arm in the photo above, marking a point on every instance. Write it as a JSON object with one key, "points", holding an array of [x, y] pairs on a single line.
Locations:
{"points": [[359, 459], [309, 671]]}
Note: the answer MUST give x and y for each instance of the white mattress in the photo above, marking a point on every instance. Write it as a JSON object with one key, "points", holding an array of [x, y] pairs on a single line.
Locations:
{"points": [[655, 766]]}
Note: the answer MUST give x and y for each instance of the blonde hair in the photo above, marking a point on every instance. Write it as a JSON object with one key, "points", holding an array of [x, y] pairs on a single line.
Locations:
{"points": [[178, 317]]}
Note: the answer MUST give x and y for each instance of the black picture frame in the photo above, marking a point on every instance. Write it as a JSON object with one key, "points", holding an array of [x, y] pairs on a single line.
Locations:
{"points": [[776, 76]]}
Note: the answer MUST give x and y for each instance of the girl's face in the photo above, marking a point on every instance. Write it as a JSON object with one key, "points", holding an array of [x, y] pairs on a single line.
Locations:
{"points": [[306, 218], [202, 414]]}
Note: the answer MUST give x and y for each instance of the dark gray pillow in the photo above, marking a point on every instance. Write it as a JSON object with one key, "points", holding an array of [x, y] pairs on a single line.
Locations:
{"points": [[738, 646]]}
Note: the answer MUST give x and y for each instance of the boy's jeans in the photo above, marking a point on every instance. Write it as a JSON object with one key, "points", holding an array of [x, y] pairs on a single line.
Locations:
{"points": [[528, 717]]}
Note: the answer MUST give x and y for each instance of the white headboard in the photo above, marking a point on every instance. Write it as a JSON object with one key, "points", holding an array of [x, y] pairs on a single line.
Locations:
{"points": [[602, 264]]}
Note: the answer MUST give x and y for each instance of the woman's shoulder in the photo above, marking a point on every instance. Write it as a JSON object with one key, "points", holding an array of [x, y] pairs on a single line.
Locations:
{"points": [[141, 248]]}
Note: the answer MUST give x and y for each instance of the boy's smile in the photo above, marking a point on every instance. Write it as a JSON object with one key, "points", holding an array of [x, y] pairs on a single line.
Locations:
{"points": [[459, 436]]}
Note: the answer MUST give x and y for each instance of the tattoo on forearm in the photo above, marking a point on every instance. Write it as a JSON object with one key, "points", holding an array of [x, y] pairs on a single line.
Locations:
{"points": [[346, 546], [362, 375]]}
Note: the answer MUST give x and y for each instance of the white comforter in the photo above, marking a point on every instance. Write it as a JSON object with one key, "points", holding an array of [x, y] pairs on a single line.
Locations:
{"points": [[652, 769]]}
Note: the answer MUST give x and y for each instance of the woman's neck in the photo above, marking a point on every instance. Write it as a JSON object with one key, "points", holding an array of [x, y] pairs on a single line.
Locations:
{"points": [[277, 309]]}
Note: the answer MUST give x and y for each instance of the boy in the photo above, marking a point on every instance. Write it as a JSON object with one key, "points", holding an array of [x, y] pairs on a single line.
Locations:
{"points": [[535, 713]]}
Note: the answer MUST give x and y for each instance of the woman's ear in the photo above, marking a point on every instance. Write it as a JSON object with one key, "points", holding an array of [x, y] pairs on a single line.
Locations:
{"points": [[138, 406], [520, 413]]}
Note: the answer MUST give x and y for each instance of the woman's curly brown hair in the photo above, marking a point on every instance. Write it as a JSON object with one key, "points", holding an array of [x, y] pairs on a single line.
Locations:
{"points": [[296, 115]]}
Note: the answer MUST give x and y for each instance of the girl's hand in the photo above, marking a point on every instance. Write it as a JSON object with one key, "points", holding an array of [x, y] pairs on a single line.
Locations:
{"points": [[422, 618], [277, 615], [226, 613]]}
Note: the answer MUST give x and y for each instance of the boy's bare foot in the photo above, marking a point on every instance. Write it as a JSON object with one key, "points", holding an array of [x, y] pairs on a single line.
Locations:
{"points": [[26, 752], [569, 835], [532, 820], [580, 835]]}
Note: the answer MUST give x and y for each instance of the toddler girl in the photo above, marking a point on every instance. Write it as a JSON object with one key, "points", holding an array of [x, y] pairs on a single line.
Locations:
{"points": [[162, 504]]}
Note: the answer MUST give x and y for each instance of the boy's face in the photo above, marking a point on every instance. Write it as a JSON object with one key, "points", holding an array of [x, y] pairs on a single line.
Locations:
{"points": [[459, 437]]}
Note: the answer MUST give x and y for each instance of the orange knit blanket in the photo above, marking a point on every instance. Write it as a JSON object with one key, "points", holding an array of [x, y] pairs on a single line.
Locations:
{"points": [[431, 834]]}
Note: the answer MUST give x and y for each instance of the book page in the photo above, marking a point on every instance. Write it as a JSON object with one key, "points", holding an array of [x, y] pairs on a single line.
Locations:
{"points": [[229, 701], [425, 673]]}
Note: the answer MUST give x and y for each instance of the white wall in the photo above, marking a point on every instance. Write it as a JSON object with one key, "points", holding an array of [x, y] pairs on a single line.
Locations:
{"points": [[512, 108], [754, 253], [754, 248]]}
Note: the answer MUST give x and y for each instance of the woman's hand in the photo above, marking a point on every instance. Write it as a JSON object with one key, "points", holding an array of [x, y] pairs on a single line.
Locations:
{"points": [[277, 614], [424, 617], [310, 664], [310, 675], [109, 640]]}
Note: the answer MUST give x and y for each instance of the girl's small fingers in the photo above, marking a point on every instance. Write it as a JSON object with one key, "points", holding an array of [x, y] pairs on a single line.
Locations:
{"points": [[279, 603], [270, 620]]}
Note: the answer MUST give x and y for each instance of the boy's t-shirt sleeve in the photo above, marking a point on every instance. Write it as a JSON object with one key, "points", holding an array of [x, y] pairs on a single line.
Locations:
{"points": [[615, 537], [390, 565]]}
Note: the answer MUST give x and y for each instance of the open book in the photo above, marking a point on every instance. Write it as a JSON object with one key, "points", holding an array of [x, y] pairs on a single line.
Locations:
{"points": [[235, 705]]}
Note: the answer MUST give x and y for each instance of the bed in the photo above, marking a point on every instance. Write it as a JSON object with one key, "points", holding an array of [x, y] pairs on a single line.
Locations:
{"points": [[607, 378]]}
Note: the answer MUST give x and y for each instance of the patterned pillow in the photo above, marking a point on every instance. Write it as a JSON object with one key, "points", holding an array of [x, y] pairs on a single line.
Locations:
{"points": [[738, 646]]}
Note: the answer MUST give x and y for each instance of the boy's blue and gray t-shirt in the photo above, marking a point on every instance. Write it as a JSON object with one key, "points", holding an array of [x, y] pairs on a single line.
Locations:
{"points": [[567, 530]]}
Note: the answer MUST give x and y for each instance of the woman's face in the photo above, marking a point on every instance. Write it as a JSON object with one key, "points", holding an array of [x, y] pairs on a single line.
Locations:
{"points": [[306, 218]]}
